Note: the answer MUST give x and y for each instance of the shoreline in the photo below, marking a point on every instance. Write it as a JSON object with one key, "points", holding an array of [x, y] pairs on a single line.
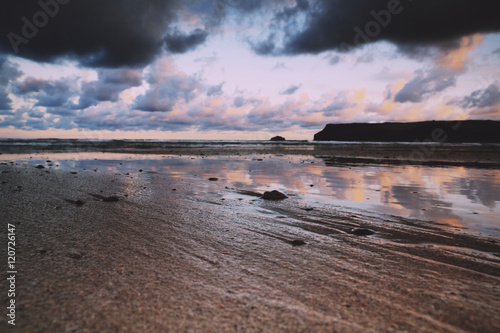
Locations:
{"points": [[430, 154], [184, 260]]}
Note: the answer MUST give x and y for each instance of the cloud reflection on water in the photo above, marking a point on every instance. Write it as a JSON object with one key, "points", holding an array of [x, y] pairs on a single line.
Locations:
{"points": [[458, 196]]}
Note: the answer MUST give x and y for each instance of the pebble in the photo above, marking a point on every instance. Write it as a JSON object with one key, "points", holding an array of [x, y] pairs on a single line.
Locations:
{"points": [[362, 232], [75, 254], [40, 167], [297, 242], [213, 179], [111, 199]]}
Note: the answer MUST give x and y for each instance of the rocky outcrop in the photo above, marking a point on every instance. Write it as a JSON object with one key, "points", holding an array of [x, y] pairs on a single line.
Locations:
{"points": [[278, 138], [469, 131]]}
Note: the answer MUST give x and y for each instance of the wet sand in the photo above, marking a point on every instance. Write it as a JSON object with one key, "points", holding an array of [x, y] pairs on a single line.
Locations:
{"points": [[185, 260]]}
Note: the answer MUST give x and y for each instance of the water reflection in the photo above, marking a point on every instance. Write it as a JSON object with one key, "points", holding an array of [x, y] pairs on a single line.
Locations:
{"points": [[458, 196]]}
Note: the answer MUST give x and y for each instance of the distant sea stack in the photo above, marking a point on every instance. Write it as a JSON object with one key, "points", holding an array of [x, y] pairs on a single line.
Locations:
{"points": [[278, 138], [468, 131]]}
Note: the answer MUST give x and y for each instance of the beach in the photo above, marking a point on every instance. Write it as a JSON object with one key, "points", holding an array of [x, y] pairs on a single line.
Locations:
{"points": [[178, 246]]}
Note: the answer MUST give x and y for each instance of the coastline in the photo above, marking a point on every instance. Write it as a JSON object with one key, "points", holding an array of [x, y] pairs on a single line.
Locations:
{"points": [[485, 155], [185, 260]]}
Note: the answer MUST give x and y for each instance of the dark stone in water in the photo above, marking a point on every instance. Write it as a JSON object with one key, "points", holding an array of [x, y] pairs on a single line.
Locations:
{"points": [[362, 232], [213, 179], [274, 195], [251, 193], [40, 167], [111, 199]]}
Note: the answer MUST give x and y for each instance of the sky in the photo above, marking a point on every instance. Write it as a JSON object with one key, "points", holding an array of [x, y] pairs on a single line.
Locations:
{"points": [[236, 69]]}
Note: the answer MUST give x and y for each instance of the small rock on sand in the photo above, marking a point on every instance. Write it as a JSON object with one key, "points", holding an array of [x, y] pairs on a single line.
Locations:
{"points": [[111, 199], [362, 232], [75, 254], [213, 179], [40, 167], [297, 242], [273, 195]]}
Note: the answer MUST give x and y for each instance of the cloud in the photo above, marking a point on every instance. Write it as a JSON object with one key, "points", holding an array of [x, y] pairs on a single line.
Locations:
{"points": [[177, 42], [59, 95], [110, 83], [366, 58], [291, 90], [168, 85], [47, 93], [426, 84], [458, 58], [341, 25], [109, 33], [334, 59], [8, 72], [340, 102], [240, 101], [483, 98], [215, 90]]}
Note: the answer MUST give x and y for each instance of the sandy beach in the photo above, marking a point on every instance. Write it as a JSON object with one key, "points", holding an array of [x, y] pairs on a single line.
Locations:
{"points": [[107, 251]]}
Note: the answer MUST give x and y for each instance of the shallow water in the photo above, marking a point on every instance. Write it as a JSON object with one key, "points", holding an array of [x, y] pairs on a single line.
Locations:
{"points": [[461, 197]]}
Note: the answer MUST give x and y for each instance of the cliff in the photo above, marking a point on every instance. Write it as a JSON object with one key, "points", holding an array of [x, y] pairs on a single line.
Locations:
{"points": [[469, 131]]}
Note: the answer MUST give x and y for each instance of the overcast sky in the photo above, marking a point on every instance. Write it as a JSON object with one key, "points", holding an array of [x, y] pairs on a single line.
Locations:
{"points": [[236, 69]]}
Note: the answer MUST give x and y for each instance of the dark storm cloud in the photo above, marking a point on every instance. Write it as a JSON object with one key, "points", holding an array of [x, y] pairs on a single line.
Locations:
{"points": [[482, 98], [342, 25], [178, 42], [8, 72], [425, 85], [291, 90], [109, 33]]}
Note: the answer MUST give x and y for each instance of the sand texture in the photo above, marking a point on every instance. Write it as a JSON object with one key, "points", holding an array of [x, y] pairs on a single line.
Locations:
{"points": [[165, 260]]}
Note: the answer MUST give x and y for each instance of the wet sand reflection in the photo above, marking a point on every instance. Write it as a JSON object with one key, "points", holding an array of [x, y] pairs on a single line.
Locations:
{"points": [[457, 196]]}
